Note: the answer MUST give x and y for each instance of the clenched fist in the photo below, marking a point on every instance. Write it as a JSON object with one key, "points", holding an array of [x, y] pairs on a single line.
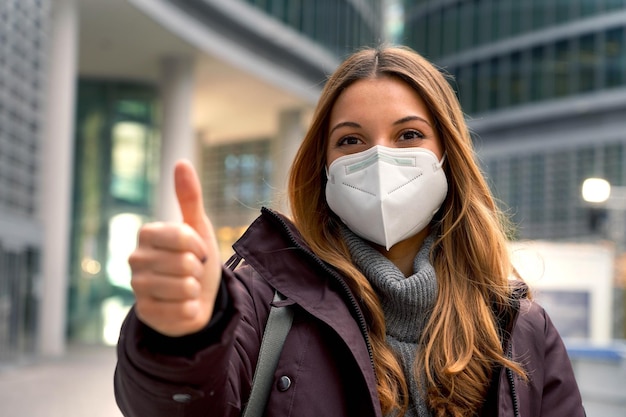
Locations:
{"points": [[176, 268]]}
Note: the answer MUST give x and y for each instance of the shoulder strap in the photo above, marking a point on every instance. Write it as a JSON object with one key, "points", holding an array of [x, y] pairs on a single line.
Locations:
{"points": [[276, 329]]}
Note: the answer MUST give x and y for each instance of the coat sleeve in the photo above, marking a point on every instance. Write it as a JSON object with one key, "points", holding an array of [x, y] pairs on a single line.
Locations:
{"points": [[552, 389], [204, 374], [561, 395]]}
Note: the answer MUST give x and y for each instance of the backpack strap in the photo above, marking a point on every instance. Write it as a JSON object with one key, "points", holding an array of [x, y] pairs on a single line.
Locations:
{"points": [[276, 330]]}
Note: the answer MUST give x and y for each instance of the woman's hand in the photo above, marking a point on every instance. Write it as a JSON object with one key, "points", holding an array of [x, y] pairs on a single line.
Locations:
{"points": [[176, 269]]}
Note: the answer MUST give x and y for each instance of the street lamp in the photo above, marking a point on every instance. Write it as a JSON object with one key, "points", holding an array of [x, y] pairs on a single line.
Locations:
{"points": [[596, 190], [599, 193]]}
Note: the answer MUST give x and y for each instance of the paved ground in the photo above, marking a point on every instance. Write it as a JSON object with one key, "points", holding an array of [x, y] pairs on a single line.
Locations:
{"points": [[79, 384]]}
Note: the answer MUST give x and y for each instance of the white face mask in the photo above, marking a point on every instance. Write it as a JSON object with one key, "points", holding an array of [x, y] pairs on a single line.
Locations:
{"points": [[386, 195]]}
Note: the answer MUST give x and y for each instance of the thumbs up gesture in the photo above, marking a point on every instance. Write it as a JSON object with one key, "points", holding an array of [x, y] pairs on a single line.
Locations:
{"points": [[176, 268]]}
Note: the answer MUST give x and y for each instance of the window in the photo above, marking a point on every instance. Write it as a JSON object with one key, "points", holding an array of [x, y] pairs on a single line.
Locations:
{"points": [[515, 189], [559, 185], [237, 176], [435, 30], [517, 82], [536, 188], [614, 4], [498, 179], [236, 180], [516, 12], [475, 89], [278, 8], [585, 164], [115, 166], [498, 26], [563, 10], [540, 13], [588, 7], [418, 33], [562, 68], [294, 14], [538, 73], [484, 21], [482, 86], [465, 84], [588, 63], [615, 53], [450, 30], [477, 22], [494, 83], [469, 88], [466, 25], [614, 163], [129, 156]]}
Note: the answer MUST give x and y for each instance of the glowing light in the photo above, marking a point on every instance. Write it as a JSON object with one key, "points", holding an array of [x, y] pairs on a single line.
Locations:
{"points": [[123, 230], [596, 190], [90, 266]]}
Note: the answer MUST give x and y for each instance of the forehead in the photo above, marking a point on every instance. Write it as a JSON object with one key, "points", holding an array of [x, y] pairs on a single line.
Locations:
{"points": [[373, 97]]}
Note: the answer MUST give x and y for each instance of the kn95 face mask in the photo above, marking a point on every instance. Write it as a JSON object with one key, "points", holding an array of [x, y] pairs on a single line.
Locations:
{"points": [[386, 195]]}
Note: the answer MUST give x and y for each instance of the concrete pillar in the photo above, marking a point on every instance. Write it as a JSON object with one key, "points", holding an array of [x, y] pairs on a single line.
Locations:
{"points": [[177, 136], [56, 175], [290, 134]]}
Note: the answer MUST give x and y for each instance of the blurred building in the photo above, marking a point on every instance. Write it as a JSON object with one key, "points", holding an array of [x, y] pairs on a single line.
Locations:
{"points": [[97, 101], [544, 85]]}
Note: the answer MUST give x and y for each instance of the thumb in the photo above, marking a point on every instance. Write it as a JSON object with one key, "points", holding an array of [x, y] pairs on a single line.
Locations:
{"points": [[189, 195]]}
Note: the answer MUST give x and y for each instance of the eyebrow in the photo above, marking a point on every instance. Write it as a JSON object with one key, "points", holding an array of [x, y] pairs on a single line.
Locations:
{"points": [[344, 124], [411, 118], [397, 122]]}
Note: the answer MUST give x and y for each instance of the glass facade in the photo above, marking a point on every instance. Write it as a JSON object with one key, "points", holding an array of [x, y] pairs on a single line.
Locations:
{"points": [[117, 152], [23, 34], [115, 169], [439, 28], [236, 180], [563, 68], [528, 68], [534, 186], [116, 165], [512, 57], [339, 26]]}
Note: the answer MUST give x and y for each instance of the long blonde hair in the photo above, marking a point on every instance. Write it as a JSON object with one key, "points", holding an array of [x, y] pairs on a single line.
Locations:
{"points": [[461, 342]]}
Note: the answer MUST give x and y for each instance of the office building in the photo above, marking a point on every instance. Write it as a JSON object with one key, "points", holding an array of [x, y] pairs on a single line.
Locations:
{"points": [[544, 85], [97, 101]]}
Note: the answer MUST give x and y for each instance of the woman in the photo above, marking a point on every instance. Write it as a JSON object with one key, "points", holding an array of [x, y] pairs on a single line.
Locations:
{"points": [[395, 263]]}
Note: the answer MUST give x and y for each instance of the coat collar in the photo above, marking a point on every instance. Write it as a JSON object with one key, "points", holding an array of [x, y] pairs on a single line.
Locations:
{"points": [[275, 249]]}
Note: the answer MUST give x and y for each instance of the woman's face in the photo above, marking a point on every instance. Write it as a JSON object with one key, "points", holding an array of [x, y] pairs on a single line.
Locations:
{"points": [[380, 111]]}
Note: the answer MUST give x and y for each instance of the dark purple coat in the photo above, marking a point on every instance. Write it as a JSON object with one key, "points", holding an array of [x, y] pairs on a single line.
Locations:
{"points": [[325, 368]]}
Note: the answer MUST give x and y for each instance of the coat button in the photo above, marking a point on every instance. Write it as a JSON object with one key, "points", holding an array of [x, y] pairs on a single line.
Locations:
{"points": [[283, 383], [181, 398]]}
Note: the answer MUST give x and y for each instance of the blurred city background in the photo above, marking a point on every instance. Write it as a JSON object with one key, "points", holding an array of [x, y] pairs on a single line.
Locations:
{"points": [[98, 98]]}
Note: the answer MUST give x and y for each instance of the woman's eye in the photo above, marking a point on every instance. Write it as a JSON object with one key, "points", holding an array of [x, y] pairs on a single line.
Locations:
{"points": [[411, 135], [349, 140]]}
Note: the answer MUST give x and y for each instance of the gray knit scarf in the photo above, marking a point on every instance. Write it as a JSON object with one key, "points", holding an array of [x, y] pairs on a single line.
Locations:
{"points": [[406, 301]]}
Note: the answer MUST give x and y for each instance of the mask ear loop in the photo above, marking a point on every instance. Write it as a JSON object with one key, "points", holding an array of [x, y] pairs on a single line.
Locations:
{"points": [[439, 164]]}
